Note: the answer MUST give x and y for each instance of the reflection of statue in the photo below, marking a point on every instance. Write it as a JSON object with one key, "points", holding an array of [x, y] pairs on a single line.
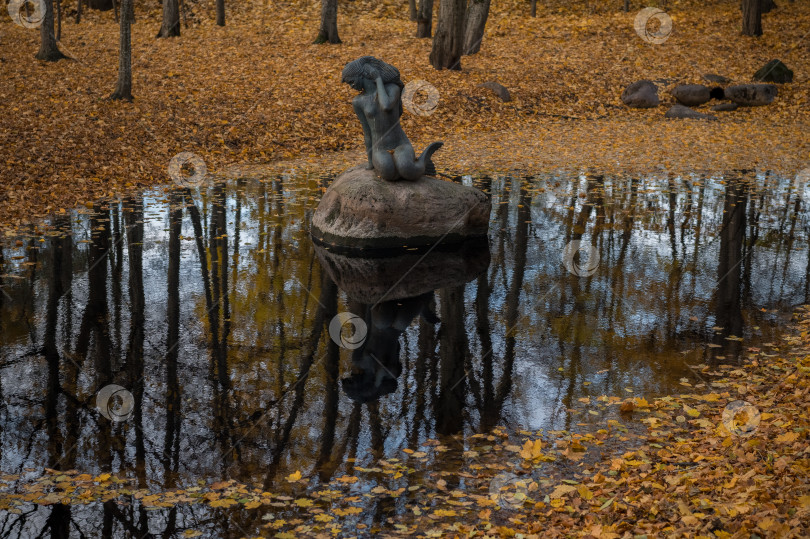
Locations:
{"points": [[379, 108], [376, 365], [394, 290]]}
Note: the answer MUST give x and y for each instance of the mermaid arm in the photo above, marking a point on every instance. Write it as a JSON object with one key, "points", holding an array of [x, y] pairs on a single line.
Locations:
{"points": [[358, 109], [387, 102]]}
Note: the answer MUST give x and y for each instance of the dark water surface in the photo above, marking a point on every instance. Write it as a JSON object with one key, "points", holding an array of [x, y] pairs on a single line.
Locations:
{"points": [[211, 309]]}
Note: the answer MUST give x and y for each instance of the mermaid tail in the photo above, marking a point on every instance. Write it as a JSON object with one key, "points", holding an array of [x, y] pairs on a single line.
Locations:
{"points": [[430, 168]]}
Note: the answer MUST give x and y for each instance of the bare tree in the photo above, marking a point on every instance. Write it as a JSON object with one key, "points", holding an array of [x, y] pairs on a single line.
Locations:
{"points": [[171, 19], [424, 19], [58, 20], [476, 21], [328, 31], [412, 9], [220, 12], [448, 41], [534, 8], [752, 17], [123, 90], [48, 48], [101, 5]]}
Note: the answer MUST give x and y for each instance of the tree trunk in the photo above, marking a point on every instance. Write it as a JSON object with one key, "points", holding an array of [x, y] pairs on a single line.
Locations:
{"points": [[752, 17], [329, 30], [477, 13], [58, 20], [79, 12], [767, 6], [424, 19], [123, 89], [101, 5], [48, 49], [220, 12], [412, 8], [171, 19], [626, 5], [449, 38], [534, 8]]}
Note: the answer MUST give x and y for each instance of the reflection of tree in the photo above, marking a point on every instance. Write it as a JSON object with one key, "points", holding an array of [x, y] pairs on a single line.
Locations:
{"points": [[327, 307], [627, 320], [59, 520], [504, 387], [171, 444], [728, 313]]}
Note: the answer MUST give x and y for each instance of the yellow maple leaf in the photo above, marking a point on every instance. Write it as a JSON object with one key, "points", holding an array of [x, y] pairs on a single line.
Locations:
{"points": [[445, 513], [295, 476], [224, 502]]}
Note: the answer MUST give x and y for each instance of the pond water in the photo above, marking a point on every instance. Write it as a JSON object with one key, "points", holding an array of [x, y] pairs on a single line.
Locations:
{"points": [[212, 308]]}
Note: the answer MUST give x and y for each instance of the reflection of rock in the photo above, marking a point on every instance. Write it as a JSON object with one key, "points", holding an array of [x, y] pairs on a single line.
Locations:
{"points": [[751, 95], [641, 95], [361, 211], [372, 279], [679, 111]]}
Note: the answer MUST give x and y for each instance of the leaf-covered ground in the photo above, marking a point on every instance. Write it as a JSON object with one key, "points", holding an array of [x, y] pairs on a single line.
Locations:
{"points": [[258, 91], [728, 458]]}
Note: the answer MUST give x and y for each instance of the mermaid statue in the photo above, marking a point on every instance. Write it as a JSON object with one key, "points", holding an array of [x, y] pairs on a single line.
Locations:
{"points": [[379, 107]]}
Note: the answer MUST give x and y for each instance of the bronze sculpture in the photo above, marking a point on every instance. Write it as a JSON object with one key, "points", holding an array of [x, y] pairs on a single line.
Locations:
{"points": [[379, 108]]}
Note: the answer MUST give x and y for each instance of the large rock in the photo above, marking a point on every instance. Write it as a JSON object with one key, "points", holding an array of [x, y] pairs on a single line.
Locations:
{"points": [[360, 211], [692, 95], [774, 71], [718, 79], [725, 107], [751, 95], [499, 89], [641, 95], [679, 111]]}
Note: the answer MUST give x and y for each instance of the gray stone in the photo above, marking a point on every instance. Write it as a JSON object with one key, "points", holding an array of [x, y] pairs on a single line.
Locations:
{"points": [[774, 71], [717, 79], [691, 95], [680, 111], [499, 90], [360, 211], [725, 107], [751, 95], [371, 280], [641, 95]]}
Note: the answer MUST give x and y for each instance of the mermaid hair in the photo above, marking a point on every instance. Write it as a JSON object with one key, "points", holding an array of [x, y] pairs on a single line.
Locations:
{"points": [[356, 70]]}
